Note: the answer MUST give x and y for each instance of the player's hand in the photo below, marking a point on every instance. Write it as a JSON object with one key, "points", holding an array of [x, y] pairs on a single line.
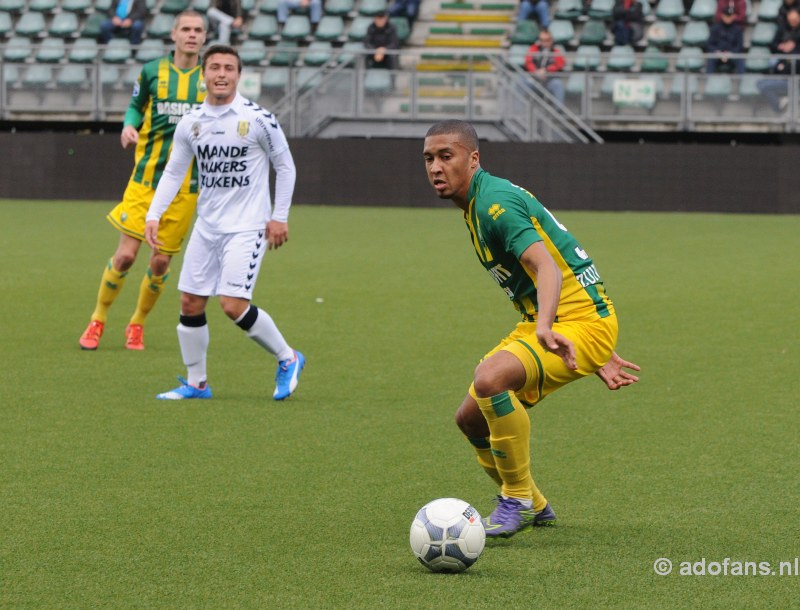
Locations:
{"points": [[277, 234], [559, 345], [151, 234], [128, 136], [614, 376]]}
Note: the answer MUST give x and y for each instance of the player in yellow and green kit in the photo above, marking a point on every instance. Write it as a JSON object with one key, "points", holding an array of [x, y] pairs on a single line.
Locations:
{"points": [[568, 328], [167, 89]]}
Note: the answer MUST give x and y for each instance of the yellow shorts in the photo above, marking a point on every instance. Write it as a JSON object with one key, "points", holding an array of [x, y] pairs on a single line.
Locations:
{"points": [[130, 213], [546, 372]]}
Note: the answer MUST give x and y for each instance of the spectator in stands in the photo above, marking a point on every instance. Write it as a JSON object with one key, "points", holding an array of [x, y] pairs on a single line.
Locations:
{"points": [[739, 10], [125, 17], [405, 8], [225, 15], [540, 8], [786, 42], [314, 8], [784, 9], [543, 61], [381, 36], [726, 37], [628, 24]]}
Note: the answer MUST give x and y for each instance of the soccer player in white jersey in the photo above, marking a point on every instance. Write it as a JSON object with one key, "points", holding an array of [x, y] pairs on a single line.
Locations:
{"points": [[234, 141]]}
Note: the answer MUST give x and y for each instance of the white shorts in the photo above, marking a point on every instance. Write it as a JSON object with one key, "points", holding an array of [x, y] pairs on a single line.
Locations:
{"points": [[222, 263]]}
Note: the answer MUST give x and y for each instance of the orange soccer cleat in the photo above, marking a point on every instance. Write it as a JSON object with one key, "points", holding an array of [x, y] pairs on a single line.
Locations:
{"points": [[134, 336], [91, 336]]}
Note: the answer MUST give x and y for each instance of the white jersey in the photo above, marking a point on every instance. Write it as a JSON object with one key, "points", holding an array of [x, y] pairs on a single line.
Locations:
{"points": [[234, 145]]}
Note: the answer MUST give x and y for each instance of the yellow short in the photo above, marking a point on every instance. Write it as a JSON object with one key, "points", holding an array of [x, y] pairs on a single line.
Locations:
{"points": [[130, 213], [546, 372]]}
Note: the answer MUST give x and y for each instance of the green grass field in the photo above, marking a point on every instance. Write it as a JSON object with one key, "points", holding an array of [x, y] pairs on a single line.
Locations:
{"points": [[112, 499]]}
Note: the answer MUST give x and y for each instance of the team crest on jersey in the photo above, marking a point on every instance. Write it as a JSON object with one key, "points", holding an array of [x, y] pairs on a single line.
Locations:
{"points": [[495, 210], [201, 85], [123, 217], [243, 128], [196, 130]]}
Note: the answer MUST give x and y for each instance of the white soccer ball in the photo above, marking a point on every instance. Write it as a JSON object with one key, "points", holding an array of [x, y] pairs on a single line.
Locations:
{"points": [[447, 535]]}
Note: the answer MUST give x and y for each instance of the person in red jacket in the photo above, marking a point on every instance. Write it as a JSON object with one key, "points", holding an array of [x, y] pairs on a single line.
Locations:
{"points": [[543, 61]]}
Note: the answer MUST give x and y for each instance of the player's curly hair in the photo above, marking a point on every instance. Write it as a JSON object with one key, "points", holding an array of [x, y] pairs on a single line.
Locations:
{"points": [[467, 133]]}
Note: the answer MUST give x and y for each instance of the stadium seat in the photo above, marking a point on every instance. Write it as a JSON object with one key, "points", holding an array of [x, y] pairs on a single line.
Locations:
{"points": [[30, 24], [150, 49], [102, 6], [269, 7], [662, 34], [757, 59], [349, 52], [402, 27], [130, 75], [525, 32], [38, 76], [91, 28], [161, 26], [18, 49], [669, 10], [341, 8], [118, 51], [307, 77], [201, 6], [10, 74], [42, 6], [72, 77], [64, 25], [622, 58], [679, 82], [297, 27], [173, 7], [516, 55], [690, 59], [6, 24], [768, 10], [109, 75], [593, 33], [283, 54], [562, 31], [763, 33], [695, 34], [587, 57], [330, 28], [718, 86], [275, 81], [576, 84], [371, 7], [263, 27], [358, 28], [703, 10], [12, 6], [568, 9], [51, 51], [654, 60], [319, 53], [378, 82], [601, 9], [253, 52], [84, 51], [748, 87]]}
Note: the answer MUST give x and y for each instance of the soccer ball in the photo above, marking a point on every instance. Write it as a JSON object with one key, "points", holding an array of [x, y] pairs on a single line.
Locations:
{"points": [[447, 535]]}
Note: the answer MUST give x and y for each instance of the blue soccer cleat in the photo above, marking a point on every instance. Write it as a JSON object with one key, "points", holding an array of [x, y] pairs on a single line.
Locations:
{"points": [[545, 517], [287, 375], [186, 391], [509, 517]]}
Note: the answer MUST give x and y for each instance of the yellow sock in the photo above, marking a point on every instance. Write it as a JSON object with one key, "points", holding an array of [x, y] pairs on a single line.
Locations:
{"points": [[509, 436], [149, 291], [110, 285], [483, 449]]}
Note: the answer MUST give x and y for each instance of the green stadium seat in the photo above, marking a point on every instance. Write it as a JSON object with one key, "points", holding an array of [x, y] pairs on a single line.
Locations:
{"points": [[51, 51], [72, 77], [84, 51], [18, 49], [690, 59], [371, 7], [42, 6], [297, 27], [10, 73], [130, 75], [763, 33], [308, 77], [593, 33], [14, 7], [601, 9], [30, 24], [349, 52], [670, 10], [576, 84], [695, 34], [587, 57], [768, 10], [38, 76], [330, 28], [64, 25], [253, 52], [91, 28], [378, 81], [562, 31], [263, 27], [703, 10], [201, 6], [402, 27], [757, 59], [269, 7], [102, 6], [516, 55], [161, 26], [342, 8], [679, 83], [622, 58], [6, 24], [173, 7], [525, 32], [748, 87], [248, 6], [662, 34], [654, 60], [358, 28], [109, 75], [319, 53], [275, 81], [150, 49], [718, 86], [568, 9], [117, 51], [284, 53]]}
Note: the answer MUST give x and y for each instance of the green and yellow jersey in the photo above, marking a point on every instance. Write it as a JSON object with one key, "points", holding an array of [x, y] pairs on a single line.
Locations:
{"points": [[161, 96], [504, 220]]}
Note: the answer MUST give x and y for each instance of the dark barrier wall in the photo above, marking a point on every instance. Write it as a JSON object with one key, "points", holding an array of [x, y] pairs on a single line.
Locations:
{"points": [[375, 172]]}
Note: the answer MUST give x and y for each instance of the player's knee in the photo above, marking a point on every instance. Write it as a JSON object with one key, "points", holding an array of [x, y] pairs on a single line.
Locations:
{"points": [[234, 308], [471, 422], [124, 260], [487, 384], [159, 264], [192, 305]]}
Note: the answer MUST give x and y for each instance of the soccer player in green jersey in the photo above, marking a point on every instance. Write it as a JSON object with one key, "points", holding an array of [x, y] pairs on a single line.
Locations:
{"points": [[568, 328], [167, 89]]}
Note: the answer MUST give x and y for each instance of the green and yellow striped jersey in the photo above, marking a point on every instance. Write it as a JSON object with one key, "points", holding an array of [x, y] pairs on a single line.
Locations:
{"points": [[161, 96], [504, 220]]}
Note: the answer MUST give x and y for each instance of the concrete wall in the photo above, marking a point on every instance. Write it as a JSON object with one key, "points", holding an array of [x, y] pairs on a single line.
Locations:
{"points": [[663, 177]]}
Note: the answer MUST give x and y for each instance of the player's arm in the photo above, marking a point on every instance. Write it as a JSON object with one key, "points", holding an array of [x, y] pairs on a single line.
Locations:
{"points": [[180, 159], [285, 177], [538, 262], [612, 373], [134, 115]]}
